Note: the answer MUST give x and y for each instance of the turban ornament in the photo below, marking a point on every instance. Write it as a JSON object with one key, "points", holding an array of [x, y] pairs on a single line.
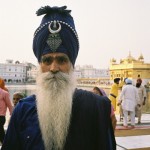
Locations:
{"points": [[54, 40]]}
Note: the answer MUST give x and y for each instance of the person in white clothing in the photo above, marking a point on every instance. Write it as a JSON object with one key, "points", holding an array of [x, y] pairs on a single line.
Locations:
{"points": [[142, 95], [129, 99]]}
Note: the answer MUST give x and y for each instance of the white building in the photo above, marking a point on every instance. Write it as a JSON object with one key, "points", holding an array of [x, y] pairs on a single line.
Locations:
{"points": [[13, 72], [32, 74], [89, 71], [90, 75]]}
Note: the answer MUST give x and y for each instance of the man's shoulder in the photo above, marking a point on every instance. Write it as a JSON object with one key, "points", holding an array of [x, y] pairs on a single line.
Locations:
{"points": [[82, 94], [25, 109], [90, 103], [28, 99], [27, 102], [114, 86], [88, 96], [143, 87], [130, 86]]}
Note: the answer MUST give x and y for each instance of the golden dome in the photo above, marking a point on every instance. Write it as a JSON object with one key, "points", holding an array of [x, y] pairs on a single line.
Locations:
{"points": [[113, 60], [141, 57], [130, 57]]}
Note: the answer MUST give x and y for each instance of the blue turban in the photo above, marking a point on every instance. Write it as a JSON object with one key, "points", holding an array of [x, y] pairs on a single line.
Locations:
{"points": [[69, 39], [128, 81]]}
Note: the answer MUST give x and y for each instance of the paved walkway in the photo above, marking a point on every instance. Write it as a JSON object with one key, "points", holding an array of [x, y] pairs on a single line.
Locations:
{"points": [[134, 142]]}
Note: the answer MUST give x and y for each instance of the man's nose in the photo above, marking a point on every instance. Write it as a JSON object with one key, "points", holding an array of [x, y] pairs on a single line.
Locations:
{"points": [[54, 67]]}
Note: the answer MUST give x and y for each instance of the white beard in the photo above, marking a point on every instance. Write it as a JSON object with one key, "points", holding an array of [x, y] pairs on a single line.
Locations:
{"points": [[54, 106]]}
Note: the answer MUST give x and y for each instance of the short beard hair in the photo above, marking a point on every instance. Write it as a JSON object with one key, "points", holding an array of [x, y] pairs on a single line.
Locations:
{"points": [[138, 85], [54, 106]]}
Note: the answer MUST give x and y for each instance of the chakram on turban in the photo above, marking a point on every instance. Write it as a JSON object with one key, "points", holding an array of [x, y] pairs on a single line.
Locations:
{"points": [[56, 33]]}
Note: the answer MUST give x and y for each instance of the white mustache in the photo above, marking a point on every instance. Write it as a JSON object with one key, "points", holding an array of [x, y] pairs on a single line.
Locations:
{"points": [[49, 76]]}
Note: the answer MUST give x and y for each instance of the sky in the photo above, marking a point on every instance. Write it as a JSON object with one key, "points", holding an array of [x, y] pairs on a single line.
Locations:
{"points": [[106, 28]]}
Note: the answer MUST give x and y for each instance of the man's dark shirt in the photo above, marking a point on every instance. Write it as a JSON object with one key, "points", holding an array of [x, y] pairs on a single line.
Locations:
{"points": [[90, 125]]}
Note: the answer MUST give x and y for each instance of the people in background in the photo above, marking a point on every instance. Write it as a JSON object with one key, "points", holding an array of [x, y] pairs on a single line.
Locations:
{"points": [[59, 116], [142, 95], [121, 84], [16, 97], [2, 84], [4, 104], [114, 92], [101, 92], [129, 99]]}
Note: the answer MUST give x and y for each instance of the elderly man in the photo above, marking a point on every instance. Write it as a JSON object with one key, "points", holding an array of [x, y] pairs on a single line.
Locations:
{"points": [[142, 95], [59, 117]]}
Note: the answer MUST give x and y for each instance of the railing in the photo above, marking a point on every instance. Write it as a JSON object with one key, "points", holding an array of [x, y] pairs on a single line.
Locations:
{"points": [[93, 85]]}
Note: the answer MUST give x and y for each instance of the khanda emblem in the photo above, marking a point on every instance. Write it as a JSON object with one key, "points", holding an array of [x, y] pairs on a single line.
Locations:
{"points": [[54, 40]]}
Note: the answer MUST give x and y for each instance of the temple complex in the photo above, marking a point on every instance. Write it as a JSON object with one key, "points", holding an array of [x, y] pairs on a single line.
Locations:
{"points": [[132, 68]]}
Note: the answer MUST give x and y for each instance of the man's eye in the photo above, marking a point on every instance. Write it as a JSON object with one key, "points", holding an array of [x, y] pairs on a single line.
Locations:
{"points": [[62, 60], [47, 60]]}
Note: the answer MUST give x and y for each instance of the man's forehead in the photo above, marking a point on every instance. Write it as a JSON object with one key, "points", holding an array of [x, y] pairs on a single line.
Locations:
{"points": [[55, 55]]}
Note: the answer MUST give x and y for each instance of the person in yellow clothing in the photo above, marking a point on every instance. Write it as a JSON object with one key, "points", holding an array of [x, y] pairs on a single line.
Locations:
{"points": [[121, 83], [114, 92]]}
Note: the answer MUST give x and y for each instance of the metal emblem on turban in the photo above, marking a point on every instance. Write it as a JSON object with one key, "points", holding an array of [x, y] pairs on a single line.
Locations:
{"points": [[54, 40]]}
